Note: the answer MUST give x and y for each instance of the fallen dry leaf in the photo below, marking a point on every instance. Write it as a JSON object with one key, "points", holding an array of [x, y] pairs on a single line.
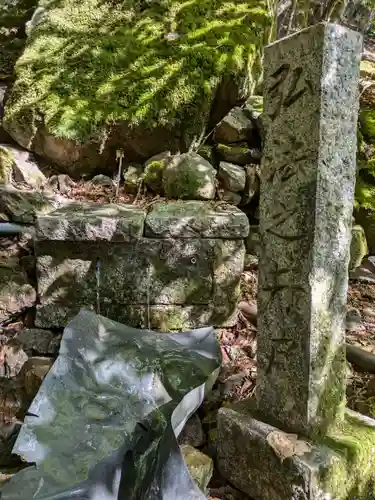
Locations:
{"points": [[286, 445]]}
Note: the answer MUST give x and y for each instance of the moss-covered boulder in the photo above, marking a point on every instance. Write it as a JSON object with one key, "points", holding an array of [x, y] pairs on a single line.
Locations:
{"points": [[189, 177], [97, 75]]}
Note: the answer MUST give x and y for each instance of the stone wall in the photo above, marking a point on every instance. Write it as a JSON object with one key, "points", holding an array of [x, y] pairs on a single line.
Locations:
{"points": [[175, 266]]}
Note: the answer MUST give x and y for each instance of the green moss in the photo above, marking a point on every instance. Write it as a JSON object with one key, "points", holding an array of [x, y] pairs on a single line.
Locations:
{"points": [[235, 149], [168, 320], [364, 195], [236, 153], [93, 63], [200, 466], [6, 165], [351, 475], [153, 175], [13, 16], [367, 121]]}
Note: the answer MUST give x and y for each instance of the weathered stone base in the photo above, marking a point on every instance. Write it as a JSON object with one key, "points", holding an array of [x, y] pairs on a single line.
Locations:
{"points": [[341, 467], [156, 317]]}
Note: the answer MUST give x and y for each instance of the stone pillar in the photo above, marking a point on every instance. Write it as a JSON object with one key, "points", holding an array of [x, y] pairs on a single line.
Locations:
{"points": [[293, 441], [307, 191]]}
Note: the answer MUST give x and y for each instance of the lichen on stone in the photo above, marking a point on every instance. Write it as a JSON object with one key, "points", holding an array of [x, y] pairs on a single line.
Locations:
{"points": [[351, 475]]}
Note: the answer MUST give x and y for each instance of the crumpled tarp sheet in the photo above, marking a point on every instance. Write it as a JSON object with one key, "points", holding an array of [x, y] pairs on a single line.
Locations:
{"points": [[105, 420]]}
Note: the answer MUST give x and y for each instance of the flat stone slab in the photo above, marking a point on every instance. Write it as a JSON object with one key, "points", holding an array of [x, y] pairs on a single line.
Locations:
{"points": [[161, 318], [24, 206], [264, 463], [91, 222], [196, 219]]}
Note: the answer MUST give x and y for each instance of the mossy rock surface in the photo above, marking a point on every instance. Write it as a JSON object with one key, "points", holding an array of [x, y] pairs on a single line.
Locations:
{"points": [[200, 466], [367, 121], [97, 75], [7, 162], [190, 177], [351, 476], [358, 247]]}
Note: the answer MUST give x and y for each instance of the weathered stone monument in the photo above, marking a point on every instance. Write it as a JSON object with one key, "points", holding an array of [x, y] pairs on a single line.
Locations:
{"points": [[296, 440]]}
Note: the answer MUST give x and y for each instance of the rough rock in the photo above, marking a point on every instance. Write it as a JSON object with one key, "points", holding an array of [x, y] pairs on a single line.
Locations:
{"points": [[193, 433], [232, 176], [6, 165], [294, 470], [200, 466], [4, 136], [229, 197], [252, 187], [90, 221], [239, 153], [38, 341], [366, 219], [365, 272], [133, 178], [353, 318], [189, 176], [12, 357], [358, 247], [154, 169], [254, 106], [16, 294], [61, 182], [24, 206], [252, 241], [237, 126], [208, 153], [33, 373], [102, 180], [191, 219], [24, 167]]}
